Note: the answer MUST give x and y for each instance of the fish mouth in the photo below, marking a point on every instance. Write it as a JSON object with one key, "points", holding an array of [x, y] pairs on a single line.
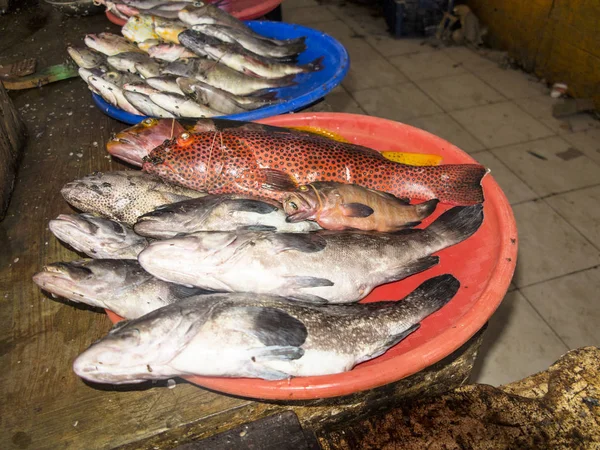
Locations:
{"points": [[65, 223], [96, 372]]}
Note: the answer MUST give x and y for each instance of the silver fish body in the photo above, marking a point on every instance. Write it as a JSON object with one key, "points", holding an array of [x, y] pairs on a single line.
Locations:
{"points": [[241, 335], [119, 285], [98, 237], [127, 61], [238, 58], [112, 93], [223, 77], [148, 69], [140, 87], [146, 106], [110, 44], [123, 195], [251, 42], [320, 267], [165, 83], [86, 58], [181, 106], [170, 52], [217, 213]]}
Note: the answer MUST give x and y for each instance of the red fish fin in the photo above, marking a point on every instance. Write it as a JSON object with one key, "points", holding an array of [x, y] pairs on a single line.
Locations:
{"points": [[248, 72], [356, 210], [277, 180]]}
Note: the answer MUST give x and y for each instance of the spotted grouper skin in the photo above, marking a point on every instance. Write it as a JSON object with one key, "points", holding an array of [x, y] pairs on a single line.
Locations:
{"points": [[268, 163]]}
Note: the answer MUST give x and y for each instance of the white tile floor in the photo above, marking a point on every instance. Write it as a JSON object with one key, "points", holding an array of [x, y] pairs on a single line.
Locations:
{"points": [[549, 169]]}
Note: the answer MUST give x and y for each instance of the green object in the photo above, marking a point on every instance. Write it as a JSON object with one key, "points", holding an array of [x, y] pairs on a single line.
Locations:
{"points": [[44, 76]]}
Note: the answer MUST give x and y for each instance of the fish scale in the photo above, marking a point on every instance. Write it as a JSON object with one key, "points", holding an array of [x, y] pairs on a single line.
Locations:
{"points": [[270, 164]]}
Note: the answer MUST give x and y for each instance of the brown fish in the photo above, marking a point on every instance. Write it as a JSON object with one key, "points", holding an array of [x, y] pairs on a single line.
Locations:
{"points": [[338, 206]]}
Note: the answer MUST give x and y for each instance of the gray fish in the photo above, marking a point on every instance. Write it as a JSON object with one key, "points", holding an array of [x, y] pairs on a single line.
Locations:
{"points": [[221, 100], [165, 83], [112, 93], [238, 58], [123, 195], [110, 44], [242, 335], [181, 106], [320, 267], [98, 237], [146, 106], [251, 42], [205, 13], [127, 61], [140, 87], [86, 58], [223, 77], [148, 69], [148, 4], [217, 213], [170, 52], [119, 285]]}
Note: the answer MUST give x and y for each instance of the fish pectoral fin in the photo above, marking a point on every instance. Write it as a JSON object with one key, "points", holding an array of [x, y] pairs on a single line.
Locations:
{"points": [[356, 210], [302, 242], [271, 326], [419, 265], [276, 353], [254, 206], [182, 292], [307, 282], [412, 224], [256, 228], [277, 180]]}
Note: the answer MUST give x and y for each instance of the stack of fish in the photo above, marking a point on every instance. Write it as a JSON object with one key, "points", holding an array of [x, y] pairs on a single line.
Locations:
{"points": [[225, 264], [203, 63]]}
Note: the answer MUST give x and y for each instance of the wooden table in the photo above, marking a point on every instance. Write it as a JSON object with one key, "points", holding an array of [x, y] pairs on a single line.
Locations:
{"points": [[43, 404]]}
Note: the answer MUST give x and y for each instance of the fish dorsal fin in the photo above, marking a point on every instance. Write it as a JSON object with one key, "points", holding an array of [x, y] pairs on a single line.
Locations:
{"points": [[277, 180], [181, 291]]}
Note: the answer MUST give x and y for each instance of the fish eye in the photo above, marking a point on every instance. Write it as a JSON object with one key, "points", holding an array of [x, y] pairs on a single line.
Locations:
{"points": [[148, 121], [293, 205], [303, 188]]}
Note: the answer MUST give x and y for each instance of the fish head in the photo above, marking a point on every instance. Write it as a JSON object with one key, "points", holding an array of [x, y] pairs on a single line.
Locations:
{"points": [[147, 44], [136, 142], [94, 281], [85, 231], [180, 258], [141, 349], [302, 204], [171, 160], [96, 191], [195, 14], [85, 57]]}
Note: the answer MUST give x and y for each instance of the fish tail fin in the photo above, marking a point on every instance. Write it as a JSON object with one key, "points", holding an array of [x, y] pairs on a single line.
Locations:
{"points": [[403, 317], [458, 184], [288, 80], [296, 45], [264, 95], [425, 209], [430, 296], [313, 66], [454, 226]]}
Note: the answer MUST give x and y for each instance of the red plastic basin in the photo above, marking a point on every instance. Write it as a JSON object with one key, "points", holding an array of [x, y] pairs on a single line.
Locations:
{"points": [[242, 9], [484, 264]]}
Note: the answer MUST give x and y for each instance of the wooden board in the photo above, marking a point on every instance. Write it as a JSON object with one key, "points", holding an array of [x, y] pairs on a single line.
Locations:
{"points": [[12, 138], [43, 404]]}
